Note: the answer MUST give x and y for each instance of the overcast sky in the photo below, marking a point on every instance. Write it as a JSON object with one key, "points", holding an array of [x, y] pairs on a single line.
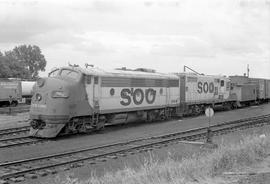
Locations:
{"points": [[211, 36]]}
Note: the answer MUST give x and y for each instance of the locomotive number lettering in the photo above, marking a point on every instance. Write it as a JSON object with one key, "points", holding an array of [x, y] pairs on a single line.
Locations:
{"points": [[205, 87], [137, 96]]}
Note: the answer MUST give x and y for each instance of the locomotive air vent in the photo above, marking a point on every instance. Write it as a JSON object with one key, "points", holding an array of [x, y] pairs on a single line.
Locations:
{"points": [[145, 70], [123, 68]]}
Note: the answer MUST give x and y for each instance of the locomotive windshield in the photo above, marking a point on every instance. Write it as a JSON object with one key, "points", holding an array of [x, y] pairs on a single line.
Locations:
{"points": [[54, 73], [69, 73]]}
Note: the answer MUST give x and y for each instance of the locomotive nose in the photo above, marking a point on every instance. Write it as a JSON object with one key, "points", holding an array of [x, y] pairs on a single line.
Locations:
{"points": [[50, 92], [48, 112], [47, 88]]}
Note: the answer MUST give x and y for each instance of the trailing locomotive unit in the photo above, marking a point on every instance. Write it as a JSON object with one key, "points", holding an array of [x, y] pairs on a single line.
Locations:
{"points": [[199, 91], [73, 99]]}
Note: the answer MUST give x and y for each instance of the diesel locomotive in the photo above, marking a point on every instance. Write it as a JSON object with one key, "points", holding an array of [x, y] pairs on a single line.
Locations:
{"points": [[75, 99]]}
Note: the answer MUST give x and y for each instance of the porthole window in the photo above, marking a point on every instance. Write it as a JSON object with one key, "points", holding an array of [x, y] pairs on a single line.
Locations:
{"points": [[112, 92]]}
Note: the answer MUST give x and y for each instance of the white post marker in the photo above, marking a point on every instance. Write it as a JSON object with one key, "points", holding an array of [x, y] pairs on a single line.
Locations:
{"points": [[209, 112]]}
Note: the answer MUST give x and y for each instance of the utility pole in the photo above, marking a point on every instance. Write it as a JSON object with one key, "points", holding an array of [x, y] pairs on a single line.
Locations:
{"points": [[248, 70]]}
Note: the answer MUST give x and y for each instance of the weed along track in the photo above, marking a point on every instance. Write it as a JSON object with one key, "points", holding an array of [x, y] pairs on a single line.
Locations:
{"points": [[19, 170]]}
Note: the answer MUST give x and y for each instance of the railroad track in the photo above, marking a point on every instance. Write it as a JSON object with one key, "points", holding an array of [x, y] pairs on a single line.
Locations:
{"points": [[14, 131], [18, 141], [16, 171], [17, 136], [17, 109]]}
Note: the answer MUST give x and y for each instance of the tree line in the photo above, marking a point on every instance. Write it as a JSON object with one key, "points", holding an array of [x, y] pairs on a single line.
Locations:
{"points": [[24, 61]]}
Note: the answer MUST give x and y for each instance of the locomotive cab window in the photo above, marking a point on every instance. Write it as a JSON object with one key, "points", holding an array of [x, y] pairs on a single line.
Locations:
{"points": [[54, 73], [222, 83], [69, 73]]}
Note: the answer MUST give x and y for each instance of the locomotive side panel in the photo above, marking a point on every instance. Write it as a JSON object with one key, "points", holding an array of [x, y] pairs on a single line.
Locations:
{"points": [[174, 93], [120, 94]]}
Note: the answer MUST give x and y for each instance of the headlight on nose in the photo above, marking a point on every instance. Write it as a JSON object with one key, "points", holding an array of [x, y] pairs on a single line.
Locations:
{"points": [[40, 82], [38, 97], [59, 94]]}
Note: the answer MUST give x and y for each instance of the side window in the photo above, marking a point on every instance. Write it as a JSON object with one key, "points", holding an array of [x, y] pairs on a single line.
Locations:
{"points": [[95, 80], [88, 79], [222, 83], [228, 86], [69, 73]]}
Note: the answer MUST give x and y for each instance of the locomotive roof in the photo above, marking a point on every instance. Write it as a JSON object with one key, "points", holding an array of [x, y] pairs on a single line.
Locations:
{"points": [[122, 73], [197, 75]]}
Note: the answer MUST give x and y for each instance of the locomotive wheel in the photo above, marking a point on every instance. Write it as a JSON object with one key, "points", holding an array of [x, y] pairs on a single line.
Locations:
{"points": [[151, 116], [100, 124], [228, 106], [14, 103], [196, 110], [233, 105]]}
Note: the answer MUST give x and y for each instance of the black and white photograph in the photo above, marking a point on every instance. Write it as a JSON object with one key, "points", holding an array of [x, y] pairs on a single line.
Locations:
{"points": [[135, 92]]}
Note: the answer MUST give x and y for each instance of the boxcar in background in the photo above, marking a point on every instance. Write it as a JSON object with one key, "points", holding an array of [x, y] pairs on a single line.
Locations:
{"points": [[260, 88], [267, 90], [10, 92]]}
